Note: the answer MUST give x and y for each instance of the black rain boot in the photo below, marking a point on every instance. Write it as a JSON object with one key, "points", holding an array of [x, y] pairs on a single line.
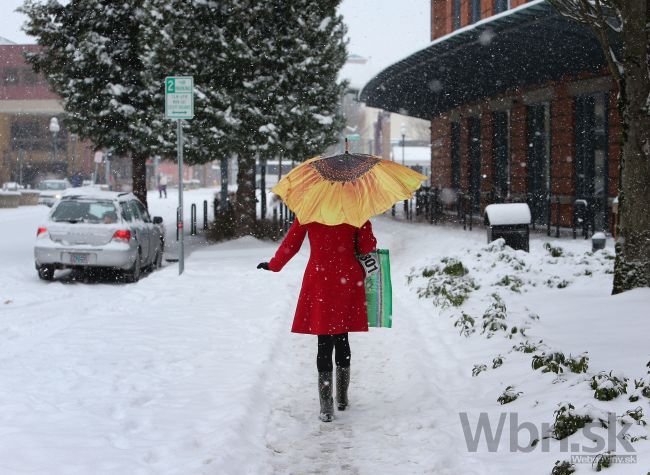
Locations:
{"points": [[342, 383], [325, 396]]}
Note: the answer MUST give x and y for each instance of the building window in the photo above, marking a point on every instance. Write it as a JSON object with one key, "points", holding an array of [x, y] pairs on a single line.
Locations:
{"points": [[455, 156], [456, 14], [474, 149], [501, 6], [538, 165], [501, 155], [9, 77], [591, 157], [476, 10]]}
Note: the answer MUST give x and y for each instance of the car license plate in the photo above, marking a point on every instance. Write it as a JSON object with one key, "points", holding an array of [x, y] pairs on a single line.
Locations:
{"points": [[79, 259]]}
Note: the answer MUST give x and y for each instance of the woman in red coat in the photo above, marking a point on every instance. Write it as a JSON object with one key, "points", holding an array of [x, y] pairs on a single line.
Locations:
{"points": [[332, 300]]}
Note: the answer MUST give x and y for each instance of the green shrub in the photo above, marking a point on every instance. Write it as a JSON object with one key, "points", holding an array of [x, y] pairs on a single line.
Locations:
{"points": [[454, 267], [466, 324], [478, 369], [552, 250], [567, 421], [602, 461], [528, 347], [556, 362], [563, 468], [448, 285], [513, 282], [496, 362], [508, 395], [495, 316], [607, 387]]}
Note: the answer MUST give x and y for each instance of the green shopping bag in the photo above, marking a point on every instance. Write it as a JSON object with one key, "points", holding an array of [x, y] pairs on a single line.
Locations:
{"points": [[379, 291]]}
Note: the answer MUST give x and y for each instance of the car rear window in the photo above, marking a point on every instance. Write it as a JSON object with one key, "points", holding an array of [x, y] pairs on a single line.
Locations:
{"points": [[87, 211], [51, 185]]}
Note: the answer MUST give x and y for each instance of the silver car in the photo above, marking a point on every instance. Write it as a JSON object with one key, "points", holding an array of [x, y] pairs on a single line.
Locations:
{"points": [[90, 228], [52, 190]]}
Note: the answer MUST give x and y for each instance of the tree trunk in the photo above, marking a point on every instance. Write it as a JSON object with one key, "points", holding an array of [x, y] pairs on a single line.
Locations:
{"points": [[139, 177], [245, 202], [632, 265]]}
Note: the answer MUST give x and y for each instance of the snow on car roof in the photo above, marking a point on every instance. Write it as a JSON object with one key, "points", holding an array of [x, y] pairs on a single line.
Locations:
{"points": [[94, 192]]}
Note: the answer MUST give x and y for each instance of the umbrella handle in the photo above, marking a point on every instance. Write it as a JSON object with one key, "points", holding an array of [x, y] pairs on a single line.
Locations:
{"points": [[347, 145]]}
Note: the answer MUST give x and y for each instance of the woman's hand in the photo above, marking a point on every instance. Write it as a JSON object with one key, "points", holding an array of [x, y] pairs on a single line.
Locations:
{"points": [[263, 265]]}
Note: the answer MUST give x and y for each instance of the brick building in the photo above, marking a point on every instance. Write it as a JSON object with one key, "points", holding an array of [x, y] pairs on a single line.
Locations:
{"points": [[521, 107], [28, 150]]}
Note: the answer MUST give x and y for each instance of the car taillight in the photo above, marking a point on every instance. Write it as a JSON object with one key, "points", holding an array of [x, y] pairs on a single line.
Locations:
{"points": [[40, 231], [122, 235]]}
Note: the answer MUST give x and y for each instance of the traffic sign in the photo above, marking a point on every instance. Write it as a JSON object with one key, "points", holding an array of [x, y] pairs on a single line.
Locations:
{"points": [[353, 137], [179, 97]]}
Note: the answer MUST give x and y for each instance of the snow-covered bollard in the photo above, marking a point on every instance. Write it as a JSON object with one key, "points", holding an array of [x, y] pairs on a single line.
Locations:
{"points": [[509, 221], [598, 241]]}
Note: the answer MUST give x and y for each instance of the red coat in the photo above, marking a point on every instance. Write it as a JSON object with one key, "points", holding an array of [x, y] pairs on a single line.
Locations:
{"points": [[333, 296]]}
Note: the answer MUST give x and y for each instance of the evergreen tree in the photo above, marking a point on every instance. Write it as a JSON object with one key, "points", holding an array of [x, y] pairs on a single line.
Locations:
{"points": [[92, 57]]}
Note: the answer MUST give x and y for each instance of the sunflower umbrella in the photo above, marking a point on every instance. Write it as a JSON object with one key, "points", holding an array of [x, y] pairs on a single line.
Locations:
{"points": [[346, 188]]}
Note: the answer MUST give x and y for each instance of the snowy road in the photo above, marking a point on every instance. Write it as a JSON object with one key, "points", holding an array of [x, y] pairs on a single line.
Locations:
{"points": [[200, 374]]}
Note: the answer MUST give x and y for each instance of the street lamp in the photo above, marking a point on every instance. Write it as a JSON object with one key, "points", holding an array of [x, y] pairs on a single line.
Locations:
{"points": [[403, 131], [54, 130]]}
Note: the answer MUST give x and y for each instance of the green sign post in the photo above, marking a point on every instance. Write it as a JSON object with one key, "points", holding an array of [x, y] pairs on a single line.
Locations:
{"points": [[179, 105]]}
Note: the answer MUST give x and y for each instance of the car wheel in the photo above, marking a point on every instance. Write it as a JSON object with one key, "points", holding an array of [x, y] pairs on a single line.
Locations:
{"points": [[133, 275], [46, 272]]}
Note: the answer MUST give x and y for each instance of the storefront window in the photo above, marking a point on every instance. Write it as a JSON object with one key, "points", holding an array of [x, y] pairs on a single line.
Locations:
{"points": [[501, 154], [501, 6], [456, 14], [476, 10], [455, 156]]}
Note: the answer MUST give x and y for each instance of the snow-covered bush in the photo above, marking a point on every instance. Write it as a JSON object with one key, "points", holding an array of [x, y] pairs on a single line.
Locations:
{"points": [[514, 283], [602, 461], [495, 316], [528, 347], [478, 369], [606, 386], [563, 468], [554, 251], [509, 394], [448, 284], [496, 362], [641, 389], [556, 362], [568, 421], [466, 324]]}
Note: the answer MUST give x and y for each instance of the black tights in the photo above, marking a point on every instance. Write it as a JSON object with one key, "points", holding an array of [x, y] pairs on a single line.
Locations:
{"points": [[326, 344]]}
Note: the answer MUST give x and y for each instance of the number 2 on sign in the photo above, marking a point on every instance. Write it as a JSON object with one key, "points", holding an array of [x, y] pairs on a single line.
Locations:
{"points": [[171, 85]]}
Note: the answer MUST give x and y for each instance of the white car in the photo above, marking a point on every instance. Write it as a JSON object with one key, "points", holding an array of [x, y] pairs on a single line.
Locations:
{"points": [[52, 190], [90, 228]]}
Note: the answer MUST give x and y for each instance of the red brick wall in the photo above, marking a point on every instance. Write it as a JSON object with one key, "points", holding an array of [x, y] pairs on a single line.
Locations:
{"points": [[441, 153], [518, 149], [11, 57]]}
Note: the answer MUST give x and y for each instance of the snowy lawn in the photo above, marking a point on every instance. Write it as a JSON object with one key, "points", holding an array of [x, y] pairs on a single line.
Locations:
{"points": [[199, 373]]}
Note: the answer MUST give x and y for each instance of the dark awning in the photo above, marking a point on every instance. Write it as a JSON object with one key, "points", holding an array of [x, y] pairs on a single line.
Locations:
{"points": [[526, 46]]}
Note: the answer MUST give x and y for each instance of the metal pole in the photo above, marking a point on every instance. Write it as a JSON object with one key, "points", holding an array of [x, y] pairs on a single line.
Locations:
{"points": [[205, 214], [179, 155], [403, 140], [193, 220]]}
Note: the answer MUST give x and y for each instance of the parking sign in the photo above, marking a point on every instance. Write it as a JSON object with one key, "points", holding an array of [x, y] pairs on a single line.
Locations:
{"points": [[179, 97]]}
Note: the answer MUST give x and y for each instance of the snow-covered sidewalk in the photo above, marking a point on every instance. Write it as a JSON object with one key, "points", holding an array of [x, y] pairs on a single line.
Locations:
{"points": [[200, 374]]}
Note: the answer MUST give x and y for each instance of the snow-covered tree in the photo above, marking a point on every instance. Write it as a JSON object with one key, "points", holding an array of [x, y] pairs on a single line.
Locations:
{"points": [[623, 29], [92, 56], [285, 93]]}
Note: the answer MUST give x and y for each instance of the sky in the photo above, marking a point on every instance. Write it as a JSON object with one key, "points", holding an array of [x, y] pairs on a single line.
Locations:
{"points": [[383, 31]]}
